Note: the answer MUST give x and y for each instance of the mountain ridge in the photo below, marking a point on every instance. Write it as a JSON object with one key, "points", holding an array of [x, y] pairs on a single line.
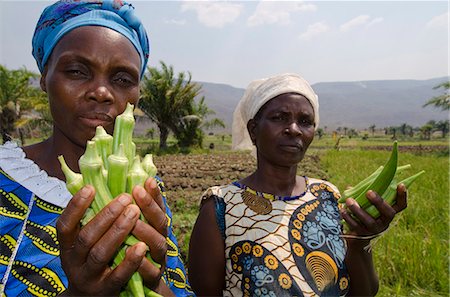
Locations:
{"points": [[351, 104]]}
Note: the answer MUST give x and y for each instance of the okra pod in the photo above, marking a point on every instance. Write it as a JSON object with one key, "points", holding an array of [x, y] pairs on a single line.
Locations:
{"points": [[123, 132], [361, 186], [91, 168], [74, 181], [136, 175], [149, 166], [391, 193], [382, 181], [117, 173], [103, 143]]}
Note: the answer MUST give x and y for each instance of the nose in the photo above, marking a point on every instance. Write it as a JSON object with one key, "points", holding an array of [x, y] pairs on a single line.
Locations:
{"points": [[293, 129], [100, 92]]}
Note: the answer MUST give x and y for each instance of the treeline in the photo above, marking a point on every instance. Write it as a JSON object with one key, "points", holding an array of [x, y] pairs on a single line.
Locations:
{"points": [[171, 101], [404, 130]]}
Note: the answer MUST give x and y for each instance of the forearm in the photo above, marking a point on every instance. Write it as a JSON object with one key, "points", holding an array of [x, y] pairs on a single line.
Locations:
{"points": [[363, 277]]}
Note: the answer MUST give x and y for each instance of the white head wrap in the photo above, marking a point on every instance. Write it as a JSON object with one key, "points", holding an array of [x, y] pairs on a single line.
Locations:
{"points": [[257, 94]]}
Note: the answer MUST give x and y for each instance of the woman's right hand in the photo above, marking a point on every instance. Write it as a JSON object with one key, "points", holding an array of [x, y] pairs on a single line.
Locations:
{"points": [[86, 252]]}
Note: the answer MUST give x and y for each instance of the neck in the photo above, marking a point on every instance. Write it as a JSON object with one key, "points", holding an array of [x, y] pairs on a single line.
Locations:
{"points": [[276, 180], [45, 154]]}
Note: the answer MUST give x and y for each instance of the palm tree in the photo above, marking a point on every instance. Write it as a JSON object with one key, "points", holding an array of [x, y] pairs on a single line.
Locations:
{"points": [[442, 101], [171, 103], [189, 129], [372, 129], [442, 126], [14, 88], [164, 98]]}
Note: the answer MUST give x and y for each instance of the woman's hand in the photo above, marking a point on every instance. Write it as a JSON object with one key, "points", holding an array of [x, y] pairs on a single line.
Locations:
{"points": [[86, 253], [365, 225], [359, 262], [153, 233]]}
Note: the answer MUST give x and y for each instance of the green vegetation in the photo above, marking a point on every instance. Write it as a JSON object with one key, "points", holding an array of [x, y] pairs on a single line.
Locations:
{"points": [[170, 103], [441, 101], [412, 258]]}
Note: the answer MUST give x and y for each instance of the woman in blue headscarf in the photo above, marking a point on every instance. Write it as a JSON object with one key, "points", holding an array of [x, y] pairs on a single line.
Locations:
{"points": [[92, 56]]}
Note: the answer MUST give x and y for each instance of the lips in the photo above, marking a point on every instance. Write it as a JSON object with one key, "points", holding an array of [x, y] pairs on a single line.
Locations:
{"points": [[94, 119], [291, 147]]}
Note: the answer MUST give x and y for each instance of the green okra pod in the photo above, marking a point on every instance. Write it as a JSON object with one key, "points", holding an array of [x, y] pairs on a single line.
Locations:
{"points": [[91, 168], [361, 186], [103, 143], [123, 133], [149, 166], [136, 175], [390, 194], [74, 181], [382, 181], [117, 173]]}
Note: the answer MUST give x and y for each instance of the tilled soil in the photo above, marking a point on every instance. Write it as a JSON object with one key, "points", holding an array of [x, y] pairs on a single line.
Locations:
{"points": [[190, 175]]}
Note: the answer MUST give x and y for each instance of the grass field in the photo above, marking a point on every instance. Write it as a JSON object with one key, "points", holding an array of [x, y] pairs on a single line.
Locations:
{"points": [[412, 258]]}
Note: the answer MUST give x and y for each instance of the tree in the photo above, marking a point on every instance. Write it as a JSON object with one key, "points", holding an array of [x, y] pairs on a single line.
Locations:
{"points": [[14, 89], [35, 115], [320, 132], [442, 126], [442, 101], [170, 103], [426, 131], [372, 129], [165, 98], [189, 129], [405, 129]]}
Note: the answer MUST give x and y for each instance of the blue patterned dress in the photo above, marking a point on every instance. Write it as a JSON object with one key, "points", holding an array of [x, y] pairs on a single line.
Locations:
{"points": [[292, 248], [30, 204]]}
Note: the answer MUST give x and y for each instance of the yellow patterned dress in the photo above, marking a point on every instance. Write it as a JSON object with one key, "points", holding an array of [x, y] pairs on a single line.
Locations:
{"points": [[290, 246], [30, 204]]}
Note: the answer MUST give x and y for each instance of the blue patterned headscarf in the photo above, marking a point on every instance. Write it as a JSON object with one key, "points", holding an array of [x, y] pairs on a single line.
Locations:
{"points": [[66, 15]]}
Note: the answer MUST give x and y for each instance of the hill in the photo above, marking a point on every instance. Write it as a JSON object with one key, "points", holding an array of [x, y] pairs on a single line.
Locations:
{"points": [[358, 104]]}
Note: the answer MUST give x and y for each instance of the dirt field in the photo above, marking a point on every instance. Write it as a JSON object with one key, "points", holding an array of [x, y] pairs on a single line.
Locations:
{"points": [[189, 175]]}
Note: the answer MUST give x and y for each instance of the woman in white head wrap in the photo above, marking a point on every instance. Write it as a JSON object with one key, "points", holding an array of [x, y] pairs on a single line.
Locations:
{"points": [[275, 233]]}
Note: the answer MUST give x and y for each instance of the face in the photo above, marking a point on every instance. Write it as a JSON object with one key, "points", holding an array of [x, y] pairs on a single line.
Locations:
{"points": [[283, 129], [90, 76]]}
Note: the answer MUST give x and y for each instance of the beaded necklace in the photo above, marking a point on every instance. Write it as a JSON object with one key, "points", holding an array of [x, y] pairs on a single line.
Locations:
{"points": [[261, 202]]}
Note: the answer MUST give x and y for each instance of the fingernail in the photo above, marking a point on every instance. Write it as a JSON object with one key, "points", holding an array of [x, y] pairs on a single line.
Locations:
{"points": [[371, 194], [124, 199], [141, 249], [140, 192], [85, 192], [130, 212]]}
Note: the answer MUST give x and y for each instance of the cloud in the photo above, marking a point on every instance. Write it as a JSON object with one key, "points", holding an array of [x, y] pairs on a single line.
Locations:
{"points": [[273, 12], [375, 21], [439, 21], [355, 22], [175, 22], [214, 14], [314, 30], [359, 21]]}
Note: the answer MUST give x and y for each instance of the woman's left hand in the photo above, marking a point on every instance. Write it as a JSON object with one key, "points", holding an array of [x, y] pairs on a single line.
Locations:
{"points": [[364, 224], [153, 232]]}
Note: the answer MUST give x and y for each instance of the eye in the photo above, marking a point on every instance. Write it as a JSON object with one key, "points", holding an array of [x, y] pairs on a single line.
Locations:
{"points": [[278, 117], [125, 79], [306, 122], [76, 72]]}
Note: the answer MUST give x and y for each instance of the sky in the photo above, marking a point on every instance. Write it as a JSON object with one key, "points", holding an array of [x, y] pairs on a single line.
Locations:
{"points": [[235, 42]]}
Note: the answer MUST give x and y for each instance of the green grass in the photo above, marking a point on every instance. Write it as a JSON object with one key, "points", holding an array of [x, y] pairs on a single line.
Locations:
{"points": [[412, 258]]}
